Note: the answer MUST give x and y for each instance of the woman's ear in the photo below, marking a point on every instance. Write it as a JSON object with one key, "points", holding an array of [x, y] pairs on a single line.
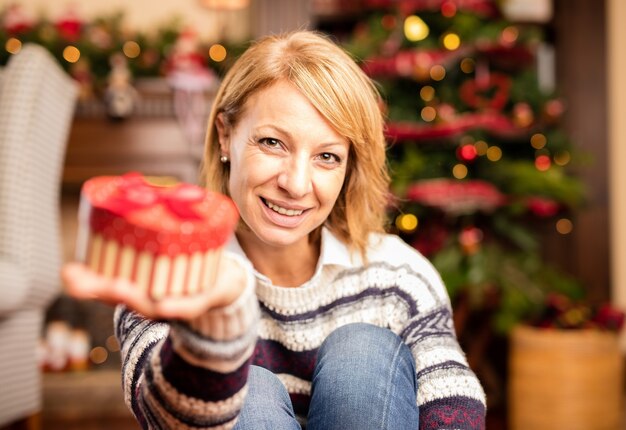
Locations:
{"points": [[223, 134]]}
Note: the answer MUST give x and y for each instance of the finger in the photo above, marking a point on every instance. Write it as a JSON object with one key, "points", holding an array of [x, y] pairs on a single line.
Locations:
{"points": [[81, 282], [184, 307]]}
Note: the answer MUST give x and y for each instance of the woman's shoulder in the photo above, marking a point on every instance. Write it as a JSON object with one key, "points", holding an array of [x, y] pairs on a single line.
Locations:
{"points": [[392, 250]]}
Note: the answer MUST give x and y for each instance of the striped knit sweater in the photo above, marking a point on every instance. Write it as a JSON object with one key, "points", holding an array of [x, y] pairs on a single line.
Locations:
{"points": [[193, 375]]}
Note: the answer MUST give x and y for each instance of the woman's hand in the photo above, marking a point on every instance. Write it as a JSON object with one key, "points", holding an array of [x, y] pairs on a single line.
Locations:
{"points": [[83, 283]]}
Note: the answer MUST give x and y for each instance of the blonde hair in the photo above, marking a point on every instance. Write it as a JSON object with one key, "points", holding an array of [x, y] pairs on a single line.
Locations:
{"points": [[344, 96]]}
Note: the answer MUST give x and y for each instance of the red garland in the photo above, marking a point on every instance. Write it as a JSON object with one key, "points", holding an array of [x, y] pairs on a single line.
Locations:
{"points": [[457, 197], [493, 122], [480, 7]]}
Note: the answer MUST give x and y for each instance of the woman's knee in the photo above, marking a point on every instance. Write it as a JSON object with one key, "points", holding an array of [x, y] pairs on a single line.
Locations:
{"points": [[363, 338]]}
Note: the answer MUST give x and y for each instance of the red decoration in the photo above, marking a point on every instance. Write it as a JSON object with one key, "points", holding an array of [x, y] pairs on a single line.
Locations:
{"points": [[69, 26], [542, 206], [493, 122], [467, 153], [16, 21], [492, 94], [480, 7], [543, 163], [469, 239], [457, 197], [404, 63]]}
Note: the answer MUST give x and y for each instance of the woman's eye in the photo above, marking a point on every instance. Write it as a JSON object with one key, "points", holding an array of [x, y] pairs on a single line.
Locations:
{"points": [[329, 157], [270, 142]]}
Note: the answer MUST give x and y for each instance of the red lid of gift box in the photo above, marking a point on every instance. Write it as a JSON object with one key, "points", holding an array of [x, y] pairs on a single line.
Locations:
{"points": [[173, 219]]}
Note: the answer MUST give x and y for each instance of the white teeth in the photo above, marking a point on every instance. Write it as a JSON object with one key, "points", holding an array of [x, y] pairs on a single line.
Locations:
{"points": [[283, 211]]}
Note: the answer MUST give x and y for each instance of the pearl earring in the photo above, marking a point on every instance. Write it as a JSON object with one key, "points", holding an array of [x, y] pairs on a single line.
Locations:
{"points": [[224, 159]]}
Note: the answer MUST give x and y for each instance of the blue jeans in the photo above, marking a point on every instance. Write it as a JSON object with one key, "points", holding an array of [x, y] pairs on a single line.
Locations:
{"points": [[364, 379]]}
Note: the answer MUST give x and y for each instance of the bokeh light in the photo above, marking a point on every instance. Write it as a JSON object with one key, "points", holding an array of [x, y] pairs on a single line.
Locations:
{"points": [[98, 355], [459, 171], [468, 65], [131, 49], [538, 141], [415, 29], [481, 147], [427, 93], [467, 152], [564, 226], [509, 35], [406, 222], [112, 344], [71, 54], [437, 72], [494, 153], [542, 163], [428, 113], [13, 45], [217, 52], [451, 41], [562, 158]]}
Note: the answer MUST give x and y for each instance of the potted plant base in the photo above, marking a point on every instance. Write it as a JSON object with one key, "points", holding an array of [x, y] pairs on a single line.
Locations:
{"points": [[565, 379]]}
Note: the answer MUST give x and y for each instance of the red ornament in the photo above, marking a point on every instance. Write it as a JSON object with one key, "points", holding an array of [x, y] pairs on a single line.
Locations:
{"points": [[16, 21], [543, 163], [469, 239], [542, 206], [69, 26], [457, 197], [466, 152]]}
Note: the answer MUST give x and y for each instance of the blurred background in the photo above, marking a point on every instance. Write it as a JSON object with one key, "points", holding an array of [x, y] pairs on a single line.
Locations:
{"points": [[506, 130]]}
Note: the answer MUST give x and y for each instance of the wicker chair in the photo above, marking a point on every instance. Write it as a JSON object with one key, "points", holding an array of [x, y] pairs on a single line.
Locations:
{"points": [[37, 101]]}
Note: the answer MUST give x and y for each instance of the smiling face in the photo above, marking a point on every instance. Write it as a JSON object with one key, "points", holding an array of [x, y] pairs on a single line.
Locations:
{"points": [[287, 166]]}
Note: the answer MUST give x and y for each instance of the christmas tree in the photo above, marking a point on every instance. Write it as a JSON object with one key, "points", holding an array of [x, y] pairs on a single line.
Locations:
{"points": [[478, 159]]}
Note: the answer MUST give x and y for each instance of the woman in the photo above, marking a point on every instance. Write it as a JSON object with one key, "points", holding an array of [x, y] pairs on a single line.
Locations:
{"points": [[331, 322]]}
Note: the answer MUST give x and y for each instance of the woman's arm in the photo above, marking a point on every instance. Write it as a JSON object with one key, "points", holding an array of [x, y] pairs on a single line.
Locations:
{"points": [[185, 360], [188, 373]]}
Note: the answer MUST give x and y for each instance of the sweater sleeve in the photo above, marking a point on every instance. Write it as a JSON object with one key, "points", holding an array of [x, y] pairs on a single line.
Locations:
{"points": [[189, 374], [449, 395]]}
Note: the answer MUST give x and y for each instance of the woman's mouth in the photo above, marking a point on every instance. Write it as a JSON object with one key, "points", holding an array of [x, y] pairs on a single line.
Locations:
{"points": [[281, 210]]}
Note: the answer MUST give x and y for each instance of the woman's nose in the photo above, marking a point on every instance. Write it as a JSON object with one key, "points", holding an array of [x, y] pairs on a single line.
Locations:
{"points": [[295, 177]]}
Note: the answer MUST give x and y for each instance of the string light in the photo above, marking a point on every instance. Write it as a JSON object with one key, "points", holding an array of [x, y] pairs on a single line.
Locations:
{"points": [[468, 65], [509, 35], [467, 152], [459, 171], [481, 147], [415, 29], [217, 52], [538, 141], [562, 158], [428, 113], [451, 41], [564, 226], [494, 153], [98, 355], [131, 49], [13, 45], [437, 72], [71, 54], [406, 222], [427, 93], [112, 344], [542, 163]]}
